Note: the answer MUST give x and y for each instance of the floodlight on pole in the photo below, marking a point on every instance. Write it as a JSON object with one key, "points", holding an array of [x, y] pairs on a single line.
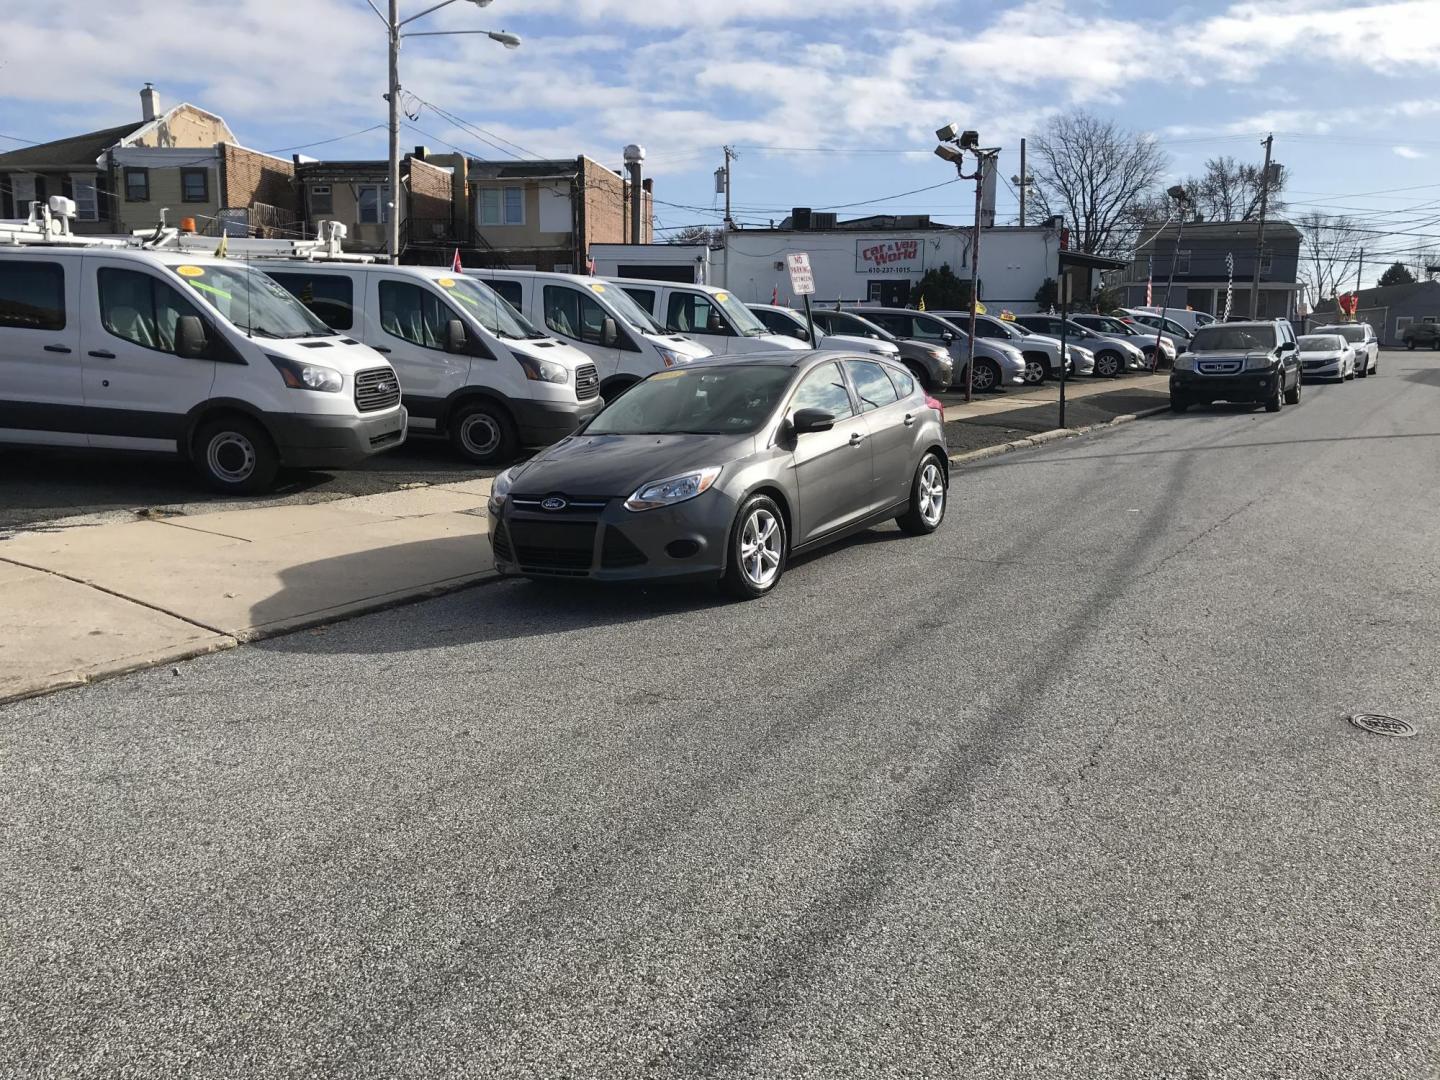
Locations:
{"points": [[1182, 198], [948, 132], [969, 140], [950, 154]]}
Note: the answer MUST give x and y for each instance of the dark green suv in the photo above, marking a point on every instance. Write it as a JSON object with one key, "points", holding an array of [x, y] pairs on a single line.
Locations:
{"points": [[1421, 335]]}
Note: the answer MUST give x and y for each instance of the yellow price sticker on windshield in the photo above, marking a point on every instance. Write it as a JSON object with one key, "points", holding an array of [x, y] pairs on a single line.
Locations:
{"points": [[666, 375], [722, 297], [446, 282], [190, 271], [598, 288]]}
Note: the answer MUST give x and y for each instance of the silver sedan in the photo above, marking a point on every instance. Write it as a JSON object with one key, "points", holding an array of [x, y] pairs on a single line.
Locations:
{"points": [[724, 470]]}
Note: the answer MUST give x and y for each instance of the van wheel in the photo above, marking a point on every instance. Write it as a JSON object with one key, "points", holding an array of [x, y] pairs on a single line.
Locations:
{"points": [[481, 433], [236, 456], [615, 387]]}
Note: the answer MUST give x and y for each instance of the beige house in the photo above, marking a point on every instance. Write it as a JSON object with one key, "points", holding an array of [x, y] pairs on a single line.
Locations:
{"points": [[357, 194]]}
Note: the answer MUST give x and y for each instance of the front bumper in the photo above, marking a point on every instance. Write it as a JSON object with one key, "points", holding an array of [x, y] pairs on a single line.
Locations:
{"points": [[541, 423], [317, 441], [1331, 369], [597, 539], [1253, 386]]}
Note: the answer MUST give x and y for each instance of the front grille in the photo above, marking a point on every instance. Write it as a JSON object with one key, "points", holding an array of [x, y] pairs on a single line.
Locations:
{"points": [[1219, 367], [587, 382], [535, 504], [553, 545], [376, 388], [618, 552]]}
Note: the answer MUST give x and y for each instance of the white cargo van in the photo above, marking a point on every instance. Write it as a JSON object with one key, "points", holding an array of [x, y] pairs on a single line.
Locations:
{"points": [[714, 317], [113, 346], [624, 342], [473, 369]]}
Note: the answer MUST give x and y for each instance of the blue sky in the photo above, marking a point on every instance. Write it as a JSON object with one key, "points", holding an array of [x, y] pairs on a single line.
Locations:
{"points": [[1347, 87]]}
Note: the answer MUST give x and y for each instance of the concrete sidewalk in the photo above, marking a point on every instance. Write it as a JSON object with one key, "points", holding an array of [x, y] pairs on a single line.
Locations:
{"points": [[100, 600], [1048, 393]]}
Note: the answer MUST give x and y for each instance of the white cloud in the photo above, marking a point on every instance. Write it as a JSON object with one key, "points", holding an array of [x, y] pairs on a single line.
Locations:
{"points": [[1407, 152]]}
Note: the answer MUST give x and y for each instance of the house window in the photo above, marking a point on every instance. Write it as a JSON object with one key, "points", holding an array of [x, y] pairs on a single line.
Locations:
{"points": [[1265, 264], [82, 190], [373, 204], [502, 206], [137, 185], [1182, 262], [195, 185], [22, 186], [321, 201]]}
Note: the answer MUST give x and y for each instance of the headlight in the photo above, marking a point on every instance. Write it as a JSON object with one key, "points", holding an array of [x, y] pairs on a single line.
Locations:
{"points": [[939, 353], [670, 358], [537, 370], [499, 488], [1185, 362], [1257, 362], [673, 489], [300, 376]]}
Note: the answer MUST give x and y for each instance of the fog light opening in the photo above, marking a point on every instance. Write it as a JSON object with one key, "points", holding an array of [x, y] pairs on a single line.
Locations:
{"points": [[682, 549]]}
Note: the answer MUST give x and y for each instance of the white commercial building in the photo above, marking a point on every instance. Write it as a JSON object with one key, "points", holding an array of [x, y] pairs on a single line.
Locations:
{"points": [[876, 266]]}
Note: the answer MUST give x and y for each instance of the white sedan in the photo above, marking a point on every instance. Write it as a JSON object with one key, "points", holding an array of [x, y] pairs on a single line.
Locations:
{"points": [[1326, 356]]}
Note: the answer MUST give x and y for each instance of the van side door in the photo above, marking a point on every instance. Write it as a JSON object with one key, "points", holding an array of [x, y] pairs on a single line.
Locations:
{"points": [[41, 394], [138, 389]]}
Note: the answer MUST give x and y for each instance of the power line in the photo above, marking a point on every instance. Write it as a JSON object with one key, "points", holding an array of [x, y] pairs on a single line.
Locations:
{"points": [[322, 142]]}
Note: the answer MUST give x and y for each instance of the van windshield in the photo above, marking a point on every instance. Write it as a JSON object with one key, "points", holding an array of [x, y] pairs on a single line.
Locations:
{"points": [[253, 301], [625, 306], [489, 308]]}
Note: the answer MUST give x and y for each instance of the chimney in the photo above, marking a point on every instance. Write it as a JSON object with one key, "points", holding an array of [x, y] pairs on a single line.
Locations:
{"points": [[421, 152], [149, 102]]}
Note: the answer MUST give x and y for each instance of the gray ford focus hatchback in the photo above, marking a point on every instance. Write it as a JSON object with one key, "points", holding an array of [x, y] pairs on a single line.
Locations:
{"points": [[723, 470]]}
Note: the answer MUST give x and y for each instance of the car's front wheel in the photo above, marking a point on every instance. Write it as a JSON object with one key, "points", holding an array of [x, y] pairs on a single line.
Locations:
{"points": [[1276, 400], [235, 455], [1034, 371], [1178, 404], [1108, 365], [1292, 397], [986, 376], [927, 498], [758, 549]]}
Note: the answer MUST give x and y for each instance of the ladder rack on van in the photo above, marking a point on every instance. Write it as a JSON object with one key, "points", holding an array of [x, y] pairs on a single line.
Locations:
{"points": [[49, 224]]}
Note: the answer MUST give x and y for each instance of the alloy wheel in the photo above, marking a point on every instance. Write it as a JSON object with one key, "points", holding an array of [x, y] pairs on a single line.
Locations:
{"points": [[932, 493], [760, 539], [1034, 372], [982, 378]]}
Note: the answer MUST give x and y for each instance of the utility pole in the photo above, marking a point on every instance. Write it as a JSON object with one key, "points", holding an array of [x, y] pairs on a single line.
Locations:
{"points": [[980, 158], [392, 245], [1260, 232], [729, 156], [1358, 271], [1024, 183]]}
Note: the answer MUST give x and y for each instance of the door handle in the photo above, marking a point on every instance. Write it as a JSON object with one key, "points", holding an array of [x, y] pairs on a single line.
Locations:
{"points": [[57, 348], [856, 438], [102, 354], [909, 419]]}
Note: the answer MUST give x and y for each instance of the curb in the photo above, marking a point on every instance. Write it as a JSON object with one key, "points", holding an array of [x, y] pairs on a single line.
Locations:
{"points": [[223, 642], [1053, 435]]}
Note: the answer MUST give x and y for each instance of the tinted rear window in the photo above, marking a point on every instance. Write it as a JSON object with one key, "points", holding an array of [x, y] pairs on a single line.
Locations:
{"points": [[32, 295]]}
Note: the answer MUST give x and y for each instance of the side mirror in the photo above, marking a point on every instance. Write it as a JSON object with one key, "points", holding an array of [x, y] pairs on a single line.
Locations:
{"points": [[455, 340], [190, 340], [609, 332], [801, 334], [808, 420], [1288, 347], [947, 337]]}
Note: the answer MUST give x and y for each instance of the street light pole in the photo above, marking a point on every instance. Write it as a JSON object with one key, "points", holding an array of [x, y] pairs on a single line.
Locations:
{"points": [[953, 144], [393, 24], [1182, 199]]}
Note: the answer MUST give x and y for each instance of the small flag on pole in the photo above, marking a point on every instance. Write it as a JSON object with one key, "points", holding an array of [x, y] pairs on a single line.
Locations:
{"points": [[455, 263], [921, 305], [1150, 283], [223, 247], [775, 295]]}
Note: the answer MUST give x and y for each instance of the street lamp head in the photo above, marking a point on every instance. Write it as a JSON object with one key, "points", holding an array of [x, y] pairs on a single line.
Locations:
{"points": [[482, 3], [509, 40], [969, 140], [1178, 193], [947, 133], [949, 153]]}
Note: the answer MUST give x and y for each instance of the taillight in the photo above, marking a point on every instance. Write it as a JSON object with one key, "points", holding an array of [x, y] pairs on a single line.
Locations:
{"points": [[934, 403]]}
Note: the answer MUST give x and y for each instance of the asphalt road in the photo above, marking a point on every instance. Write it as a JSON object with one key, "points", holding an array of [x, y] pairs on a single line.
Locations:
{"points": [[1065, 790]]}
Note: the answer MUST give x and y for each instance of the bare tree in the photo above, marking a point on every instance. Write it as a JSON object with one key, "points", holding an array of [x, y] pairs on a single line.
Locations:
{"points": [[1329, 249], [1230, 190], [697, 234], [1099, 176]]}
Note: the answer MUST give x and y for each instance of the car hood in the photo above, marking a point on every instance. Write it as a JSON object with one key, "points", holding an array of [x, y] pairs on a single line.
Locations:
{"points": [[682, 345], [614, 466]]}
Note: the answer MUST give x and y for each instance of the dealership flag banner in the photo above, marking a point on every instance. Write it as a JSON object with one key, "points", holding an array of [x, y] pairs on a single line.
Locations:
{"points": [[1229, 284], [1150, 282]]}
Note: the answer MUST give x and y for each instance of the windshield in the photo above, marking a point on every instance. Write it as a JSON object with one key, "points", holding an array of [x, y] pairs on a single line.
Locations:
{"points": [[741, 317], [1349, 333], [625, 306], [1321, 342], [1108, 325], [489, 308], [1233, 339], [1020, 331], [253, 301], [696, 401], [1007, 328]]}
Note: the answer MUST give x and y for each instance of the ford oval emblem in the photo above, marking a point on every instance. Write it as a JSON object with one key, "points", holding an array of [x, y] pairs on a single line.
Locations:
{"points": [[553, 504]]}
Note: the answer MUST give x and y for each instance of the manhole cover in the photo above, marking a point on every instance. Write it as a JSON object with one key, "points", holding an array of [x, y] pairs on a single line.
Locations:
{"points": [[1384, 725]]}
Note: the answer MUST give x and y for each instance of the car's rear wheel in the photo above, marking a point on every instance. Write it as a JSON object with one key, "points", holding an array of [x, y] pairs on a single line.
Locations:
{"points": [[1411, 345], [481, 432], [1108, 365], [986, 376], [927, 498], [235, 455], [758, 549]]}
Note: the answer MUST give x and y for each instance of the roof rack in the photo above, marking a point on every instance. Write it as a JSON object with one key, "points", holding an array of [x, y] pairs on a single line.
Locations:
{"points": [[50, 224]]}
